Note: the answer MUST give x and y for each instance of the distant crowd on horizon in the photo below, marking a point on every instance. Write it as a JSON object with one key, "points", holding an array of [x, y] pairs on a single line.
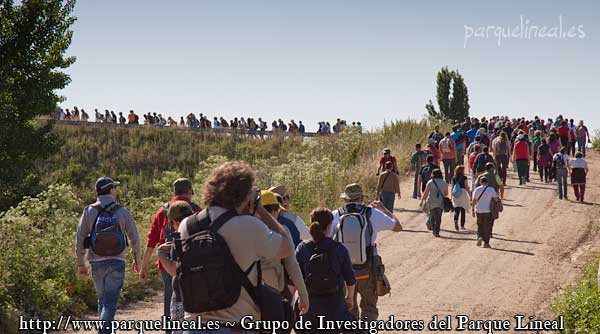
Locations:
{"points": [[191, 121]]}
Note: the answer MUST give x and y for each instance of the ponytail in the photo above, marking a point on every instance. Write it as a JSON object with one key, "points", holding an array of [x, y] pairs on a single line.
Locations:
{"points": [[321, 219]]}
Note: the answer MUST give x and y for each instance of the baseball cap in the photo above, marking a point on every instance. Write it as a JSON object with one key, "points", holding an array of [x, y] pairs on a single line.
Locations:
{"points": [[387, 150], [352, 191], [268, 197], [179, 210], [182, 185], [521, 137], [105, 182]]}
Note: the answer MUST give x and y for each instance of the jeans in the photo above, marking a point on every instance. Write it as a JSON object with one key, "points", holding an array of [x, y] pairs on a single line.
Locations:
{"points": [[435, 216], [561, 177], [572, 148], [108, 277], [168, 288], [387, 198], [458, 211], [449, 165], [581, 145], [460, 156], [415, 189], [502, 161], [579, 191], [545, 173]]}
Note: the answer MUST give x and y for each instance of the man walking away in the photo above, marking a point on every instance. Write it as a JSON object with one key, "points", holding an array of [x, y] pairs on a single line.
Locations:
{"points": [[425, 174], [388, 186], [481, 208], [581, 136], [355, 225], [160, 232], [103, 230], [448, 149], [286, 201], [417, 160], [560, 162], [482, 160], [501, 151]]}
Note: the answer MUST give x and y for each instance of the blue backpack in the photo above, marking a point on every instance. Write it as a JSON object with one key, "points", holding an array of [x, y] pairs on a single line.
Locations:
{"points": [[107, 238]]}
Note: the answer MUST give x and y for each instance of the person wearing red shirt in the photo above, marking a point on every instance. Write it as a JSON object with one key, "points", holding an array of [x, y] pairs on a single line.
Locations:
{"points": [[563, 133], [387, 156], [160, 232], [521, 154]]}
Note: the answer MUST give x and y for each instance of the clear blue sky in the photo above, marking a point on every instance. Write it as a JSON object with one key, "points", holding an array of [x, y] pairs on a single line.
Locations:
{"points": [[317, 60]]}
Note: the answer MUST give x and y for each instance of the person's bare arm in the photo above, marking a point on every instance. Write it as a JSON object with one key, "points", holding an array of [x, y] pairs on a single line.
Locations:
{"points": [[168, 264], [379, 206], [349, 295], [285, 249]]}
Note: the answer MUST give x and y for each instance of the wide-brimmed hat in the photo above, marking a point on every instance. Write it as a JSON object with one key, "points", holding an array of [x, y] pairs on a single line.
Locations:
{"points": [[352, 191]]}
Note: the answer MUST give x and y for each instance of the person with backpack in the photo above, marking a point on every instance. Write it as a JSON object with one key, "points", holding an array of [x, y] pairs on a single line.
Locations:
{"points": [[387, 156], [461, 196], [176, 213], [387, 187], [436, 135], [482, 160], [501, 150], [230, 236], [536, 141], [277, 272], [560, 162], [160, 232], [578, 168], [435, 191], [425, 175], [448, 149], [104, 230], [282, 192], [417, 160], [327, 270], [521, 156], [459, 137], [482, 209], [433, 150], [356, 225]]}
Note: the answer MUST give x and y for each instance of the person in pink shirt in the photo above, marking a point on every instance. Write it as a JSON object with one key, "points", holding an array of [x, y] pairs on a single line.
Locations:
{"points": [[448, 149]]}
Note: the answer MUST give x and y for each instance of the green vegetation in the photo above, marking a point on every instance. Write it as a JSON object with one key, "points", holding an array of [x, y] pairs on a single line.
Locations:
{"points": [[596, 140], [455, 107], [34, 36], [579, 305], [40, 255]]}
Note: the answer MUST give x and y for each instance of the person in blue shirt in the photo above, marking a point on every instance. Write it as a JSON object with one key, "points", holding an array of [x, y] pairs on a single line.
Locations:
{"points": [[335, 305], [458, 137], [472, 132]]}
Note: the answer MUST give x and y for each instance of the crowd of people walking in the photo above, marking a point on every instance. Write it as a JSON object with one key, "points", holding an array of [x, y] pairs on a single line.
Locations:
{"points": [[245, 253], [191, 121]]}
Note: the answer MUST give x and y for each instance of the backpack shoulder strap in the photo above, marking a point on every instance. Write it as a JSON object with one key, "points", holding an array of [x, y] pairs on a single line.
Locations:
{"points": [[197, 222], [222, 220], [100, 209], [483, 192]]}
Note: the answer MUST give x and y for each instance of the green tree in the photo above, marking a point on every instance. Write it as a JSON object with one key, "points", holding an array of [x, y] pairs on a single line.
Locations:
{"points": [[452, 97], [444, 79], [34, 36]]}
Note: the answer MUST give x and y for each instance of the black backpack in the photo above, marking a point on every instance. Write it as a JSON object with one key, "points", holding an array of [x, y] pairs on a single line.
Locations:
{"points": [[209, 278], [480, 162], [321, 279]]}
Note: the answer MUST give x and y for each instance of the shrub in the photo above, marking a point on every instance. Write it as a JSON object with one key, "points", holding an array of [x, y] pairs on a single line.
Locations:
{"points": [[579, 305]]}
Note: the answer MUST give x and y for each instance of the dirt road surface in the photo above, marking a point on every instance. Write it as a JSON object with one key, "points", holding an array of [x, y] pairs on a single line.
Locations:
{"points": [[540, 245]]}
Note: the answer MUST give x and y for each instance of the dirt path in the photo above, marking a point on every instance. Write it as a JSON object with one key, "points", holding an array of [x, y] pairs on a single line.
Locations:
{"points": [[540, 244]]}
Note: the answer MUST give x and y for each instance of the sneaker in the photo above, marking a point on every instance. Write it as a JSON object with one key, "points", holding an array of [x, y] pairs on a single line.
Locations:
{"points": [[456, 225], [479, 242], [462, 227], [487, 246], [429, 227]]}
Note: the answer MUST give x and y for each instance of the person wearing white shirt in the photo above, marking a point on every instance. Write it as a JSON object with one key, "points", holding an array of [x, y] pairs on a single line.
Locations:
{"points": [[381, 220], [482, 209]]}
